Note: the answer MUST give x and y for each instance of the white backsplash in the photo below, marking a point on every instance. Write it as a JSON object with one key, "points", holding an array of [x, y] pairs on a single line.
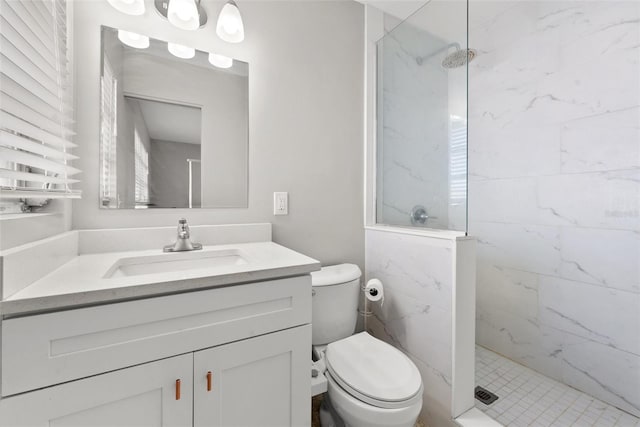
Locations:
{"points": [[142, 238], [24, 264], [554, 163]]}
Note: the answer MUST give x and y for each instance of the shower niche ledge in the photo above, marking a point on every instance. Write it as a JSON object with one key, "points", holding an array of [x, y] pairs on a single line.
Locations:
{"points": [[420, 231]]}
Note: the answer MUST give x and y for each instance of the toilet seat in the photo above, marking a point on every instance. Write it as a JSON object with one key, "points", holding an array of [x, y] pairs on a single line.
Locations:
{"points": [[355, 413], [374, 372]]}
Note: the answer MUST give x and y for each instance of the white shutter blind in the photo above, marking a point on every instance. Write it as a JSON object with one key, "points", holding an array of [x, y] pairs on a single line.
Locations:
{"points": [[457, 160], [109, 134], [35, 110], [141, 170]]}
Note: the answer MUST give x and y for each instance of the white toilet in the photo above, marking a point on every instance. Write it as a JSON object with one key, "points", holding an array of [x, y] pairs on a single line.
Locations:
{"points": [[370, 383]]}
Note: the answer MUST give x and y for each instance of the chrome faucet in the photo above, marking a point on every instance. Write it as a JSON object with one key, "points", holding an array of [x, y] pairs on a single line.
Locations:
{"points": [[182, 243]]}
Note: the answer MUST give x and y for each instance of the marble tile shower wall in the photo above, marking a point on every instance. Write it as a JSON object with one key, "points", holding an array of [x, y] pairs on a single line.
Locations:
{"points": [[414, 150], [416, 315], [554, 189]]}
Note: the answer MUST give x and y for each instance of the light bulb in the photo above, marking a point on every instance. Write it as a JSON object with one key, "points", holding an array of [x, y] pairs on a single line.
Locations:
{"points": [[220, 61], [130, 7], [181, 51], [229, 26], [184, 14], [133, 39]]}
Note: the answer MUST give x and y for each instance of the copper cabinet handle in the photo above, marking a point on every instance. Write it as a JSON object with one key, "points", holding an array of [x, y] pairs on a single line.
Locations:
{"points": [[177, 389], [209, 377]]}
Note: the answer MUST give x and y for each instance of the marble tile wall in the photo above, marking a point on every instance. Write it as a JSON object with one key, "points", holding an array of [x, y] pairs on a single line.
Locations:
{"points": [[416, 315], [413, 165], [554, 189]]}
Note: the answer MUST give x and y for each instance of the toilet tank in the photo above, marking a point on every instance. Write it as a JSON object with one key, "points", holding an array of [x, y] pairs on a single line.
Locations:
{"points": [[336, 290]]}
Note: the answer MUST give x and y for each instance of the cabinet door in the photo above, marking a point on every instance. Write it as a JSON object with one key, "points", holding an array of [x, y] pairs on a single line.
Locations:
{"points": [[143, 395], [258, 382]]}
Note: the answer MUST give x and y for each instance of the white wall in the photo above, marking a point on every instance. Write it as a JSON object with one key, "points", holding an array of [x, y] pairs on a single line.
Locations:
{"points": [[305, 112], [554, 191]]}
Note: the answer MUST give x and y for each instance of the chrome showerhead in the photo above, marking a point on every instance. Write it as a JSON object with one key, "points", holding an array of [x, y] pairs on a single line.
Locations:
{"points": [[454, 60], [458, 58]]}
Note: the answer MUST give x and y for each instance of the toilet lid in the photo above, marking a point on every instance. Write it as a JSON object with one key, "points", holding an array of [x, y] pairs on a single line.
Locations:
{"points": [[373, 371], [335, 275]]}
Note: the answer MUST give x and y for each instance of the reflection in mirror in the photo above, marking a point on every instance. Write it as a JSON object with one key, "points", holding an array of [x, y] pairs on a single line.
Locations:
{"points": [[167, 140], [174, 132]]}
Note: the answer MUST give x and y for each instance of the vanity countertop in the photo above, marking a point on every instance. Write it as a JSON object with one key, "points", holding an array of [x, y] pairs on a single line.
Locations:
{"points": [[81, 281]]}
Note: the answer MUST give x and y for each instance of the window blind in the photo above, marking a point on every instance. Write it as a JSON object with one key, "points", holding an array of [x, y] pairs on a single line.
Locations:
{"points": [[457, 160], [35, 108], [108, 137], [141, 170]]}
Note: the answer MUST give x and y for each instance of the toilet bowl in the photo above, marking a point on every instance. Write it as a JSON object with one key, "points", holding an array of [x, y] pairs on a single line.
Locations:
{"points": [[369, 382]]}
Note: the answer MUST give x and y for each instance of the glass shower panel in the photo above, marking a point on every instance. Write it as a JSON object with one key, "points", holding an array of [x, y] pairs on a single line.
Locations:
{"points": [[422, 119]]}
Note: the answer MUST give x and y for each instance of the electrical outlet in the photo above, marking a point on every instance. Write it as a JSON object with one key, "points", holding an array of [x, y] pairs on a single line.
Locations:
{"points": [[281, 203]]}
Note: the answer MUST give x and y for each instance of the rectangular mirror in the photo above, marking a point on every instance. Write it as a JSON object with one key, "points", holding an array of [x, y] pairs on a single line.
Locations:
{"points": [[173, 130]]}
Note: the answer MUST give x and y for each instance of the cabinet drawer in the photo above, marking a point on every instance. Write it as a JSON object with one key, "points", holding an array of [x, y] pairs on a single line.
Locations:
{"points": [[47, 349]]}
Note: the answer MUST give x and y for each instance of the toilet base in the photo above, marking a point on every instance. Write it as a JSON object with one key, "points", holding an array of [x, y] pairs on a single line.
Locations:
{"points": [[318, 368]]}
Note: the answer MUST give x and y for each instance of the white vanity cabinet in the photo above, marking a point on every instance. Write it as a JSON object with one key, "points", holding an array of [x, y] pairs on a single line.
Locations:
{"points": [[142, 395], [229, 356]]}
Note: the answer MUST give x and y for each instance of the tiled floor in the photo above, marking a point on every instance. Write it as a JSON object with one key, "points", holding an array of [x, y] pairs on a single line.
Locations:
{"points": [[527, 398]]}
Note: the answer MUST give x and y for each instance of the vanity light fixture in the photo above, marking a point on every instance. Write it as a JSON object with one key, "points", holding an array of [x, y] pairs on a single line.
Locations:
{"points": [[230, 27], [181, 51], [220, 61], [184, 14], [133, 39], [130, 7]]}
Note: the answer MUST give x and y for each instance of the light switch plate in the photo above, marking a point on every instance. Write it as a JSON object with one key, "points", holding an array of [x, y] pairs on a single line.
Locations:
{"points": [[281, 203]]}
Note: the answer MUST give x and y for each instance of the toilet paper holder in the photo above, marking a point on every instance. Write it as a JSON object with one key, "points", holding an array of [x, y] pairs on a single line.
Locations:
{"points": [[374, 291]]}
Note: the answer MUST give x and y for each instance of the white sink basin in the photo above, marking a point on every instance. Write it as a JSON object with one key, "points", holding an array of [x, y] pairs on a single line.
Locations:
{"points": [[177, 261]]}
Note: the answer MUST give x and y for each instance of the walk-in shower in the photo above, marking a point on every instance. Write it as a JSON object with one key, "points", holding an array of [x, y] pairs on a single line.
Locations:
{"points": [[422, 119], [552, 247]]}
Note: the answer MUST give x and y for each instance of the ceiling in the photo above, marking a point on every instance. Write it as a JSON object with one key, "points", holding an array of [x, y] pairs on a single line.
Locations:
{"points": [[400, 9], [170, 122]]}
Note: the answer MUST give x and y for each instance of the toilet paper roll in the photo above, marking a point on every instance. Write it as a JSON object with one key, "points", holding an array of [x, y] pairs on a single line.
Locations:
{"points": [[374, 291]]}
